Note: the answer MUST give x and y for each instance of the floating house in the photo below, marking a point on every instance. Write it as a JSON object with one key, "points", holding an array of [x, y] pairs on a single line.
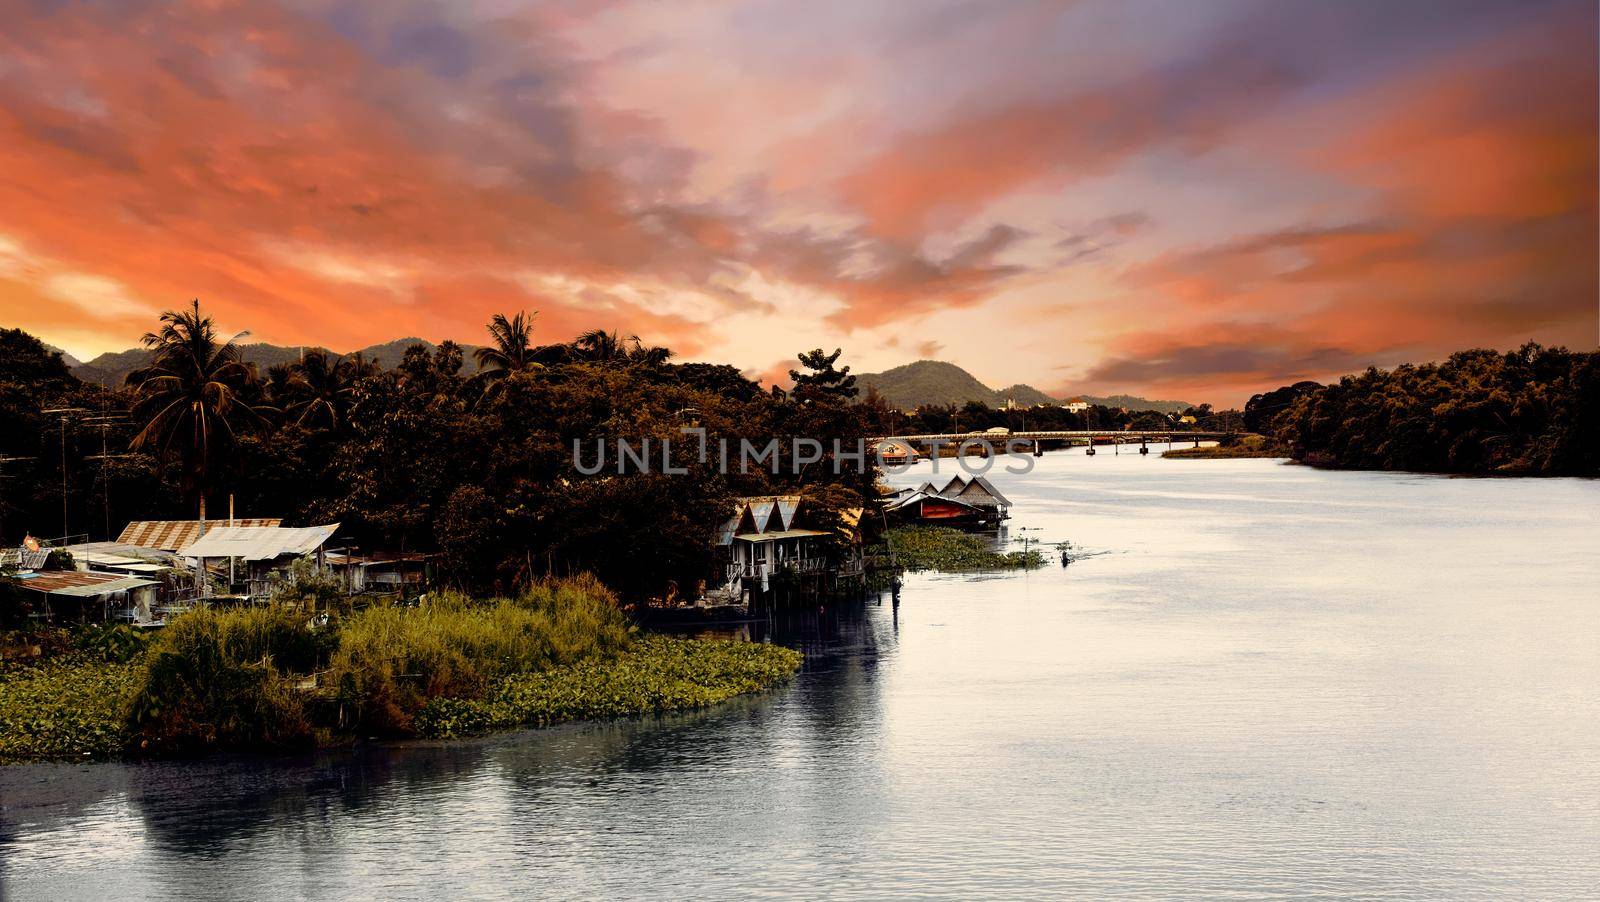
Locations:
{"points": [[961, 502], [763, 539]]}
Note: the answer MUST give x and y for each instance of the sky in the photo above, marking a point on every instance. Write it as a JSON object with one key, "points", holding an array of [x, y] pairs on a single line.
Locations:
{"points": [[1199, 200]]}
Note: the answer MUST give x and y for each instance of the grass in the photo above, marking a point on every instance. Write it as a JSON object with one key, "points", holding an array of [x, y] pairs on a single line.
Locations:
{"points": [[1248, 446], [282, 678], [949, 550]]}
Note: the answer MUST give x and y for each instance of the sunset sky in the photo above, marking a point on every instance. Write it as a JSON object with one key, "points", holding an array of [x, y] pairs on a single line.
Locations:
{"points": [[1177, 199]]}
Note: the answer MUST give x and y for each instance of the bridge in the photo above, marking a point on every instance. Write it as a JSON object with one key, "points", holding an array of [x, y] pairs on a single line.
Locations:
{"points": [[1036, 439], [1087, 436]]}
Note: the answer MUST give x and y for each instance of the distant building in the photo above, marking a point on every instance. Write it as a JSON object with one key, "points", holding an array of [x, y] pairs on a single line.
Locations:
{"points": [[895, 452], [1076, 405]]}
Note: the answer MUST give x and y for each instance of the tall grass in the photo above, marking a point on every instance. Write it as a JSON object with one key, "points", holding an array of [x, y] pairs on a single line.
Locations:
{"points": [[217, 678], [391, 661]]}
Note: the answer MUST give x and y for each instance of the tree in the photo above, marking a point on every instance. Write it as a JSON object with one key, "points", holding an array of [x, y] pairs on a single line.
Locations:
{"points": [[513, 349], [189, 396], [328, 381], [822, 381]]}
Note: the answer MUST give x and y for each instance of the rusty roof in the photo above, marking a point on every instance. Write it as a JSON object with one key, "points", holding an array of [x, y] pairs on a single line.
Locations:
{"points": [[77, 582], [176, 535]]}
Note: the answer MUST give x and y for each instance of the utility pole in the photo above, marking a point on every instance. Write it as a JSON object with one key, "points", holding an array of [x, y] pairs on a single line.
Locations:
{"points": [[65, 413], [3, 478]]}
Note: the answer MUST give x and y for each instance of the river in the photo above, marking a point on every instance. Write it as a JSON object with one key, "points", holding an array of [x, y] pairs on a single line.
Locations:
{"points": [[1267, 680]]}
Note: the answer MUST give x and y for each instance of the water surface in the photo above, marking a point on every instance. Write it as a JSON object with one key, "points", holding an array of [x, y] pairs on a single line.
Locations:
{"points": [[1273, 680]]}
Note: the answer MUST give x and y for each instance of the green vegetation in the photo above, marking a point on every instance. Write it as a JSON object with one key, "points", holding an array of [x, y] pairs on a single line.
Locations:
{"points": [[949, 550], [1244, 446], [657, 674], [282, 677], [70, 707], [472, 462], [1532, 411]]}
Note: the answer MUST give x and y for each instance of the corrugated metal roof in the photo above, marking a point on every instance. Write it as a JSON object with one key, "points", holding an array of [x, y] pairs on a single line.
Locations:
{"points": [[23, 559], [78, 583], [260, 543], [176, 535], [122, 549], [780, 534]]}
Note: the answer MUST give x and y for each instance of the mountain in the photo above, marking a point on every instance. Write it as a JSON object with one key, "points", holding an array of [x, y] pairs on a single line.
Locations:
{"points": [[1135, 403], [112, 368], [936, 382]]}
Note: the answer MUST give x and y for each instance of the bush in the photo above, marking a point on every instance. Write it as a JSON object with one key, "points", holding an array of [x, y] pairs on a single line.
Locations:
{"points": [[942, 548], [214, 679]]}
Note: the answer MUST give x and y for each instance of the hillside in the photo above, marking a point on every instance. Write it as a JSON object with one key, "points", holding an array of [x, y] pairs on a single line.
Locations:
{"points": [[937, 383], [112, 367]]}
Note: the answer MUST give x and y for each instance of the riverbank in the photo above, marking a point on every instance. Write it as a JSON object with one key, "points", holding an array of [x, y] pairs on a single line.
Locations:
{"points": [[276, 679], [953, 551], [1246, 447]]}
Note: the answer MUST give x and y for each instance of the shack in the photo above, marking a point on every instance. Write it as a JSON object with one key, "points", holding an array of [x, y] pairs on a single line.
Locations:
{"points": [[176, 535], [76, 595], [763, 542], [384, 571], [961, 502], [266, 552]]}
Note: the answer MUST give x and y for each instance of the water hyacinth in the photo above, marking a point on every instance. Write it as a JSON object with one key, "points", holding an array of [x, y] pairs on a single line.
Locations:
{"points": [[658, 674], [941, 548]]}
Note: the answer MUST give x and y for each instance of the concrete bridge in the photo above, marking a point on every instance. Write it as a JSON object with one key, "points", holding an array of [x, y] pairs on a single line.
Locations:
{"points": [[1079, 436], [1035, 440]]}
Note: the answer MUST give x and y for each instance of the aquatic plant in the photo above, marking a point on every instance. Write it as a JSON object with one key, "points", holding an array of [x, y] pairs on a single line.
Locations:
{"points": [[69, 707], [941, 548], [658, 674]]}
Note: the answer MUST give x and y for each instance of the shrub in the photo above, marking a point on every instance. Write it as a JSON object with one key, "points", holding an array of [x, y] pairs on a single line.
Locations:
{"points": [[392, 660], [213, 680]]}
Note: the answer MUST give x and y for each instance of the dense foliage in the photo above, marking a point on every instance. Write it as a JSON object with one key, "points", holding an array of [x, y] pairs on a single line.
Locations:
{"points": [[1530, 411], [420, 456], [69, 707]]}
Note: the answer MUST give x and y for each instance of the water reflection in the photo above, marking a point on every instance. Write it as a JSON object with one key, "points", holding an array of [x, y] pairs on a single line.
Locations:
{"points": [[1269, 681]]}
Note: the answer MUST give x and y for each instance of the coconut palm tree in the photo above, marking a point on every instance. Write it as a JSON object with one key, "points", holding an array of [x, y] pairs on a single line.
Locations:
{"points": [[327, 385], [189, 396], [513, 349]]}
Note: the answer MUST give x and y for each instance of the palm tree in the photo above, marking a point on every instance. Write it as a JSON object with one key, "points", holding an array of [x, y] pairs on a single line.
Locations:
{"points": [[513, 348], [327, 383], [609, 347], [601, 346], [189, 396]]}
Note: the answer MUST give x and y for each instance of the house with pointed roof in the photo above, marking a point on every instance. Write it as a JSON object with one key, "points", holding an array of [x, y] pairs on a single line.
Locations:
{"points": [[961, 502], [764, 538]]}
